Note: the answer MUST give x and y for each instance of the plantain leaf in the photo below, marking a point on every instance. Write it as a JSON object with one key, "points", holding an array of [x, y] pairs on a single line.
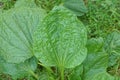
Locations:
{"points": [[99, 75], [77, 73], [95, 45], [96, 62], [77, 6], [16, 32], [25, 3], [61, 39], [112, 47], [112, 43], [18, 70]]}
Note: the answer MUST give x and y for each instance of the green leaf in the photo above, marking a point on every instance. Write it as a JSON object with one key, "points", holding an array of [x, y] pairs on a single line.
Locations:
{"points": [[95, 67], [25, 3], [112, 47], [77, 73], [45, 76], [16, 33], [60, 40], [96, 57], [95, 44], [112, 43], [96, 63], [18, 70], [77, 6], [99, 75]]}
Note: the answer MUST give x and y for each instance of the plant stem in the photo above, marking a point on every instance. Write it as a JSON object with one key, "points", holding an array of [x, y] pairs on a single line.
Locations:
{"points": [[33, 74], [62, 73], [47, 68]]}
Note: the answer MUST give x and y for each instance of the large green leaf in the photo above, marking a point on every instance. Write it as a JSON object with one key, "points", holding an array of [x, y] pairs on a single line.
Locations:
{"points": [[61, 39], [16, 32], [77, 6], [18, 70]]}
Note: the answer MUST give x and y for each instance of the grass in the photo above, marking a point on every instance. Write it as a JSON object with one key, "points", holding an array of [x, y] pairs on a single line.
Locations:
{"points": [[47, 4], [102, 17], [7, 4]]}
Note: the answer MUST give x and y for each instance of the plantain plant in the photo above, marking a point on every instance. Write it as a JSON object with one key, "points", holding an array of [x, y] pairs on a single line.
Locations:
{"points": [[52, 44]]}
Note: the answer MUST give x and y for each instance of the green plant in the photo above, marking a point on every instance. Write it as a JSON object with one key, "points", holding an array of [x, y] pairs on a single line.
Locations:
{"points": [[100, 57], [52, 44], [16, 28], [60, 40]]}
